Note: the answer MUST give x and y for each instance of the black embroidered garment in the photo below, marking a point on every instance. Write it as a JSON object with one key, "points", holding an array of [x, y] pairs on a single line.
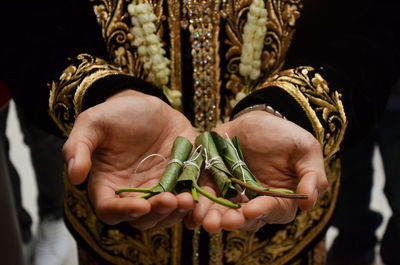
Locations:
{"points": [[324, 64]]}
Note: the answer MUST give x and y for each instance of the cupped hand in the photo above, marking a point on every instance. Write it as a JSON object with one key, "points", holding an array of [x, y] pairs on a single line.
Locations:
{"points": [[108, 142], [281, 155]]}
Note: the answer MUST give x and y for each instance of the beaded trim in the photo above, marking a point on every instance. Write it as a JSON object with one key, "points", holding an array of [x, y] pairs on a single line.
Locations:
{"points": [[203, 23]]}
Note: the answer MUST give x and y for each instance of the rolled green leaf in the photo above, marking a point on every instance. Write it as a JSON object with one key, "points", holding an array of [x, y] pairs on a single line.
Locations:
{"points": [[232, 158], [187, 181], [190, 173], [181, 149], [232, 154], [216, 165]]}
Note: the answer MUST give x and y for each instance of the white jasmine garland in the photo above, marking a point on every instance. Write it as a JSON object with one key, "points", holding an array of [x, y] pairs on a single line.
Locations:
{"points": [[150, 50], [173, 96], [255, 30], [254, 33], [239, 96]]}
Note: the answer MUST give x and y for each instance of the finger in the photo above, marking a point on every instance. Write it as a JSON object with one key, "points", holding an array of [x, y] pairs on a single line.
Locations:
{"points": [[115, 210], [311, 185], [185, 205], [311, 172], [78, 149], [188, 221], [185, 201], [272, 210], [175, 217], [212, 221], [162, 205], [253, 225], [112, 208], [232, 219]]}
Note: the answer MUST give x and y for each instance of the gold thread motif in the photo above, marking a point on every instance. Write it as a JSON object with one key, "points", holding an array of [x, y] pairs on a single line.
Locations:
{"points": [[195, 246], [216, 249], [174, 10], [282, 16], [149, 247], [113, 18], [176, 242], [66, 95], [323, 108], [319, 253], [326, 114], [286, 244]]}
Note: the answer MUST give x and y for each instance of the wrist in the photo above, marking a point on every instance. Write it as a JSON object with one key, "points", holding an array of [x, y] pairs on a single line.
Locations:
{"points": [[260, 107], [125, 93]]}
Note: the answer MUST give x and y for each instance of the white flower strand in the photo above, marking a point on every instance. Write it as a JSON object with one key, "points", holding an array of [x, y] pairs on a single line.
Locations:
{"points": [[254, 34], [150, 50]]}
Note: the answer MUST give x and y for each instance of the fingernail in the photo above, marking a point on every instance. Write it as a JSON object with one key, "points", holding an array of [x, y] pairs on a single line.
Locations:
{"points": [[315, 198], [135, 215], [182, 211], [70, 165]]}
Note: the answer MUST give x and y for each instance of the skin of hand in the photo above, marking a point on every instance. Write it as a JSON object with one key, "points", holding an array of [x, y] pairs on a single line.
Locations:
{"points": [[281, 155], [107, 143]]}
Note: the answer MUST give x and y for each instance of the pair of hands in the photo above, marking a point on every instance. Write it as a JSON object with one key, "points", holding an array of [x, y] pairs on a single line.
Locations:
{"points": [[109, 140]]}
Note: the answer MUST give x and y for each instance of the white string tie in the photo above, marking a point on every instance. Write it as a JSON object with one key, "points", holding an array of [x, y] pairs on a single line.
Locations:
{"points": [[213, 161], [237, 164], [191, 162], [179, 162], [147, 157]]}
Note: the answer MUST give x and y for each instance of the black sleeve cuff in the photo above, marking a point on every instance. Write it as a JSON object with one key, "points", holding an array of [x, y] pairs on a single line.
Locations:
{"points": [[279, 100], [105, 87]]}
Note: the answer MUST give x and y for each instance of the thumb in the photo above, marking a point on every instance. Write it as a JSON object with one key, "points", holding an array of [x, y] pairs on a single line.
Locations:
{"points": [[313, 181], [313, 185], [77, 151]]}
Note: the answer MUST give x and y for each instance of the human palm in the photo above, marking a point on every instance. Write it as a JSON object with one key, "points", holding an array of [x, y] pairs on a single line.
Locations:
{"points": [[110, 140], [281, 155]]}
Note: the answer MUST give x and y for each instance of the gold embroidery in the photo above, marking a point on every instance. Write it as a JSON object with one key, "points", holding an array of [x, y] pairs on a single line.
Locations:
{"points": [[319, 253], [323, 108], [65, 102], [204, 22], [195, 246], [113, 19], [325, 111], [176, 244], [282, 15], [150, 247], [216, 249], [174, 9], [246, 248]]}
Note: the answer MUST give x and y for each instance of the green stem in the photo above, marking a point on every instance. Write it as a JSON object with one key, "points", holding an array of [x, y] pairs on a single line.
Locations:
{"points": [[118, 191], [215, 199], [280, 190], [146, 195], [194, 194], [247, 83], [269, 192]]}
